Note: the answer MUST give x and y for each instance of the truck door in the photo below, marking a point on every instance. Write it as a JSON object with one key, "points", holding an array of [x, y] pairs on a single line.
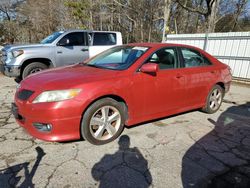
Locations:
{"points": [[72, 48]]}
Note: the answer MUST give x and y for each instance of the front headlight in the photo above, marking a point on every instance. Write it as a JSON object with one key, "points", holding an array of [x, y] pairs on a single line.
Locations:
{"points": [[56, 95], [16, 53], [9, 55]]}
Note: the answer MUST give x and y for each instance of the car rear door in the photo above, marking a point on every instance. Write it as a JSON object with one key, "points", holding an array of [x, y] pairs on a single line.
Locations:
{"points": [[164, 92], [199, 73], [75, 51]]}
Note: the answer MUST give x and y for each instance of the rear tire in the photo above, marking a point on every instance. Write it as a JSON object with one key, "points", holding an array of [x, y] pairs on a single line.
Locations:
{"points": [[103, 121], [33, 68], [214, 100]]}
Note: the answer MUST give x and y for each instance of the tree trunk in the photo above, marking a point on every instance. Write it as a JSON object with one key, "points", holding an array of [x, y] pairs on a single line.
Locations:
{"points": [[211, 19], [167, 4]]}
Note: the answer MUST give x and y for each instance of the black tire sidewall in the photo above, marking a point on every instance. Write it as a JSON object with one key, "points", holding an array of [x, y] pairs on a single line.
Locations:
{"points": [[85, 130], [30, 67]]}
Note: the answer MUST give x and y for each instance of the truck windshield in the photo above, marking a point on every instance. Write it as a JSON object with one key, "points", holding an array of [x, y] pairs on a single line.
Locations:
{"points": [[117, 58], [51, 38]]}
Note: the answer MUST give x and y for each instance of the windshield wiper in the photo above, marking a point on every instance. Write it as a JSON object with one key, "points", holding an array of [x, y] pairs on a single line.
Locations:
{"points": [[92, 65]]}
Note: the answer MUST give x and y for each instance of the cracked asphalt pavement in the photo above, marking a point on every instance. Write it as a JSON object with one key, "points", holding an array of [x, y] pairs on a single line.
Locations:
{"points": [[192, 149]]}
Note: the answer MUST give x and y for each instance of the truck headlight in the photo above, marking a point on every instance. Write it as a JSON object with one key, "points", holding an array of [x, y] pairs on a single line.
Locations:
{"points": [[16, 53], [56, 95], [9, 55]]}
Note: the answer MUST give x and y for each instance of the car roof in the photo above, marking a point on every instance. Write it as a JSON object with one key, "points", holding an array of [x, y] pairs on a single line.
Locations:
{"points": [[90, 31], [160, 45]]}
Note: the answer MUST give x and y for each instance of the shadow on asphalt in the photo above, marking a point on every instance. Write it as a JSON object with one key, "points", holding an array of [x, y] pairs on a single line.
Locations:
{"points": [[221, 159], [10, 176], [125, 168]]}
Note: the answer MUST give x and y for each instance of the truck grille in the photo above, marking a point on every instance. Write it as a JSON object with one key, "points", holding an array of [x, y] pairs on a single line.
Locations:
{"points": [[3, 56], [24, 94]]}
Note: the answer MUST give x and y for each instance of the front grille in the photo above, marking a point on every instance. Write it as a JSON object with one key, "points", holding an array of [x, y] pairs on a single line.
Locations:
{"points": [[3, 56], [24, 94]]}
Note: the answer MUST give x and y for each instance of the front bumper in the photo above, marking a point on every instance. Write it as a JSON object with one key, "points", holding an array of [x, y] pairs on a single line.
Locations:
{"points": [[64, 116], [10, 71]]}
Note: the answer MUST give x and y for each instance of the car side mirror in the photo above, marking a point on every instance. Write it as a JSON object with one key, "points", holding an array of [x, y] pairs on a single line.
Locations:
{"points": [[151, 68], [63, 42]]}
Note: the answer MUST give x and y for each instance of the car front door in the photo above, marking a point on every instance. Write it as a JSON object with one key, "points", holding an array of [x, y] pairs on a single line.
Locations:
{"points": [[164, 92], [72, 48]]}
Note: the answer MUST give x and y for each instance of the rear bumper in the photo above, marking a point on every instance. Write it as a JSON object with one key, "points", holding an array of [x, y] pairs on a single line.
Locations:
{"points": [[227, 86]]}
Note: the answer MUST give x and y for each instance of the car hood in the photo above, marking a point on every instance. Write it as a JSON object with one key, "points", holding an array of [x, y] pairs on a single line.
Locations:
{"points": [[67, 77], [22, 46]]}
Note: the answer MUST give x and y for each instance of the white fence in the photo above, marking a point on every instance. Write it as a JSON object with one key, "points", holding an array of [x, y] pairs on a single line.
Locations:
{"points": [[232, 49]]}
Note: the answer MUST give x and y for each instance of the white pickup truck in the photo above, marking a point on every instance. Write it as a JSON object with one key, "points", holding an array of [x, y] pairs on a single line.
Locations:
{"points": [[59, 49]]}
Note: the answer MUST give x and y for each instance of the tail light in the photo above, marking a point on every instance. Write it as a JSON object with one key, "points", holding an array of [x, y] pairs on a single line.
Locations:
{"points": [[230, 70]]}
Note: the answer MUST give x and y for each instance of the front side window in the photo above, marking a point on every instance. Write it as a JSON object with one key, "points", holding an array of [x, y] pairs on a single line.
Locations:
{"points": [[165, 58], [117, 58], [103, 39], [74, 39], [193, 58]]}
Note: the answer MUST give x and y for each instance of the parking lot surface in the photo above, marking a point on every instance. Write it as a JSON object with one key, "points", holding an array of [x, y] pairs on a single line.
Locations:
{"points": [[193, 149]]}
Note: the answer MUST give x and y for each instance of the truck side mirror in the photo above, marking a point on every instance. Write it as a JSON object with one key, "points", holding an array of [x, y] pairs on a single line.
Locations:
{"points": [[63, 42]]}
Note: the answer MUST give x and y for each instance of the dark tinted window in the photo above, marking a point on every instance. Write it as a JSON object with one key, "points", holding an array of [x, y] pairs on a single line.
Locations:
{"points": [[193, 58], [75, 39], [102, 39], [165, 58]]}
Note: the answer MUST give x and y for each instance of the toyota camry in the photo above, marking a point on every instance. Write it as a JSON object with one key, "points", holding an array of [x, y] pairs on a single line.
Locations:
{"points": [[122, 86]]}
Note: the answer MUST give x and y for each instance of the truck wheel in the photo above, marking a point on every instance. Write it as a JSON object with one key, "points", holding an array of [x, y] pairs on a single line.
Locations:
{"points": [[33, 68], [103, 121]]}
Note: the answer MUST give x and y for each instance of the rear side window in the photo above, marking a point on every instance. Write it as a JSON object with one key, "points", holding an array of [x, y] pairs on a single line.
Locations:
{"points": [[193, 58], [104, 39]]}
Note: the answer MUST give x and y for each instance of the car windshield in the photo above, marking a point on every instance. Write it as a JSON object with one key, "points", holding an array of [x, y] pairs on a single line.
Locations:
{"points": [[51, 38], [117, 58]]}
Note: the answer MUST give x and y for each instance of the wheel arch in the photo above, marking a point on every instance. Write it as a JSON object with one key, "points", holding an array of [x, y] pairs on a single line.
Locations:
{"points": [[221, 84], [45, 61], [112, 96]]}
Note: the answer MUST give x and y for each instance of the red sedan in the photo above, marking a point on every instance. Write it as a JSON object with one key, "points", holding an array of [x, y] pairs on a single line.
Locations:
{"points": [[124, 85]]}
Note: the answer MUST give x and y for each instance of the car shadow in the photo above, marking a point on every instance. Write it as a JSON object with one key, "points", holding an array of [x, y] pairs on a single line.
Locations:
{"points": [[222, 157], [125, 168], [11, 176]]}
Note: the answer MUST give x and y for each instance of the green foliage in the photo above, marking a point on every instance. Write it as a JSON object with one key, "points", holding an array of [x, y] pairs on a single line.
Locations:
{"points": [[80, 10]]}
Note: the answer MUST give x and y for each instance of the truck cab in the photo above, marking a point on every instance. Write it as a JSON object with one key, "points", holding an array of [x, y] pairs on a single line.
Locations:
{"points": [[58, 49]]}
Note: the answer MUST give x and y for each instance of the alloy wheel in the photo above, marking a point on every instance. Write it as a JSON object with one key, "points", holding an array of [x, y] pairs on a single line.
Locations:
{"points": [[215, 99], [35, 70], [105, 123]]}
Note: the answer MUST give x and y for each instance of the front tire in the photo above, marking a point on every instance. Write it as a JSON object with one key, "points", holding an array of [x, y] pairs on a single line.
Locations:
{"points": [[33, 68], [214, 100], [103, 121]]}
